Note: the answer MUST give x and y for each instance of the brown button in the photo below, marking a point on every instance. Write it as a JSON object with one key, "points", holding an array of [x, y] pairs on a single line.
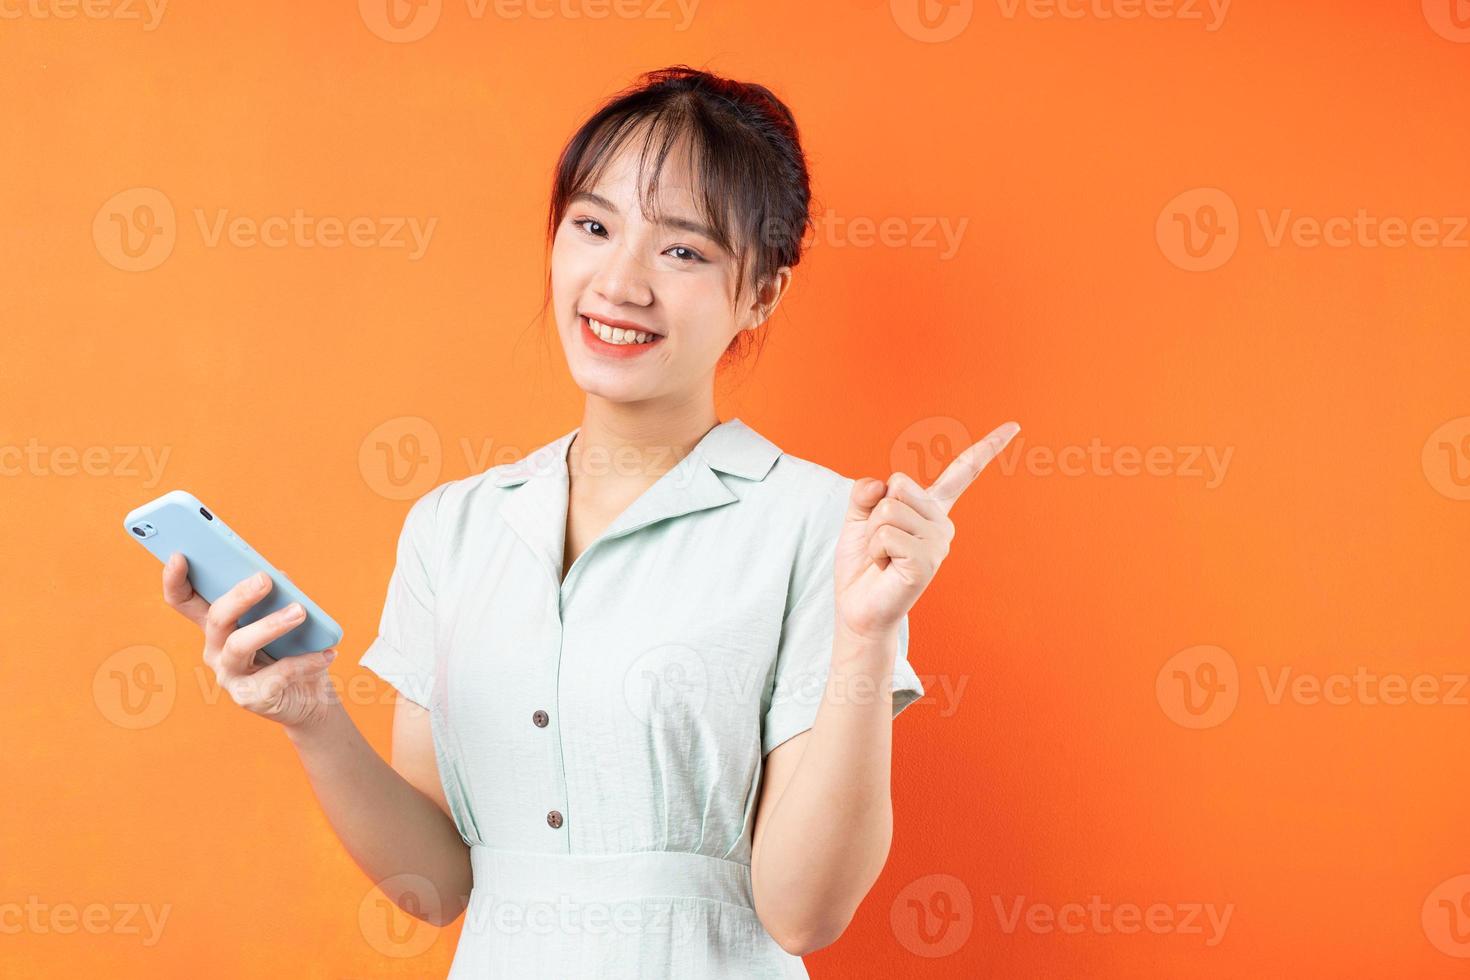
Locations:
{"points": [[554, 818], [540, 718]]}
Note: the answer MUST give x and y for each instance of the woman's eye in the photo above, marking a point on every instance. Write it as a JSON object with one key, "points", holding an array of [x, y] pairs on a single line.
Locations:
{"points": [[691, 256], [584, 222], [591, 226]]}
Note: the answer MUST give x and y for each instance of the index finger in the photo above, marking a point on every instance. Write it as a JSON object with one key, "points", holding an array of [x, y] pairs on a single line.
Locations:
{"points": [[960, 473], [228, 608]]}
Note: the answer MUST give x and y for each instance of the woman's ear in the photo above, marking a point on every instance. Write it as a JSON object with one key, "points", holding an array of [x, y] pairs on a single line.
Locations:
{"points": [[768, 297]]}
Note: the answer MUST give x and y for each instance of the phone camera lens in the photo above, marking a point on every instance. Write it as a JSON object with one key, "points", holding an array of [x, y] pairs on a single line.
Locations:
{"points": [[207, 515], [139, 532]]}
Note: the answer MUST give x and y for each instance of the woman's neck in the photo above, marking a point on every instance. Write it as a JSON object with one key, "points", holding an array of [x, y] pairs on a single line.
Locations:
{"points": [[623, 443]]}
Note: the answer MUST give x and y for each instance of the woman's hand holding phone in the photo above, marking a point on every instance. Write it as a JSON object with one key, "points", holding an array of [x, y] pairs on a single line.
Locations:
{"points": [[294, 691]]}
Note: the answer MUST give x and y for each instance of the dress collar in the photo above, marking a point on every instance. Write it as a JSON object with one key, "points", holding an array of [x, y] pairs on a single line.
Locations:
{"points": [[730, 447], [537, 507]]}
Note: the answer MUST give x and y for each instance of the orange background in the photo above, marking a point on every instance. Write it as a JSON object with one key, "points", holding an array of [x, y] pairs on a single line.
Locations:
{"points": [[1333, 544]]}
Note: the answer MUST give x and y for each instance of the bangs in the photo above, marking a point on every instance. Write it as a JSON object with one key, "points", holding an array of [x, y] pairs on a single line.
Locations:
{"points": [[726, 166]]}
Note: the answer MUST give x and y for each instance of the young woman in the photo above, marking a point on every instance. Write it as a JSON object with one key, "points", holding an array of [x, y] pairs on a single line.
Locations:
{"points": [[646, 675]]}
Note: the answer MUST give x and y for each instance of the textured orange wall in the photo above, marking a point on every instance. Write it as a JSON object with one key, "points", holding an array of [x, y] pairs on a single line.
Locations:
{"points": [[1213, 259]]}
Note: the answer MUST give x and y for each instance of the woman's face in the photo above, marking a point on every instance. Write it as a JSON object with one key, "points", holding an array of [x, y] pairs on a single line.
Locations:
{"points": [[611, 265]]}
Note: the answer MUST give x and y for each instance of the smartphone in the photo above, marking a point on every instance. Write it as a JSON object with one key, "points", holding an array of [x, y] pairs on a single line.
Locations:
{"points": [[219, 559]]}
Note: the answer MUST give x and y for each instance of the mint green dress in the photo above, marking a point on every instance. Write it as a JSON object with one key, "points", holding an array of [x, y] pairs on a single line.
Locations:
{"points": [[600, 739]]}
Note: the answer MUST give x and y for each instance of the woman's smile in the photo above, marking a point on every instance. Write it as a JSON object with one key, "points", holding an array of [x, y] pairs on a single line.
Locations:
{"points": [[615, 341]]}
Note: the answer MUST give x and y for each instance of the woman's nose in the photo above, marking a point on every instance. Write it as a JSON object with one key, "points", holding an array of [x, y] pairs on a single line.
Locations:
{"points": [[623, 278]]}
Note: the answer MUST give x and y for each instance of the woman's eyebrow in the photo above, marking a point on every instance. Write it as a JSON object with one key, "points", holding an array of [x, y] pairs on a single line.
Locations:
{"points": [[672, 221]]}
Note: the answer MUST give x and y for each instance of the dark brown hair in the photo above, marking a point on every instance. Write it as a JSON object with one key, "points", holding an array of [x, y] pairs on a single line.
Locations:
{"points": [[753, 188]]}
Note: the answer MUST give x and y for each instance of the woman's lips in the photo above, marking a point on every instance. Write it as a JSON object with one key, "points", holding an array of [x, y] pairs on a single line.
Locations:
{"points": [[602, 347]]}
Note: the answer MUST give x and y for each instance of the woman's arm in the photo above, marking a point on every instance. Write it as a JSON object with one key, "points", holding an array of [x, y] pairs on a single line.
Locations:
{"points": [[824, 820], [393, 820], [825, 817]]}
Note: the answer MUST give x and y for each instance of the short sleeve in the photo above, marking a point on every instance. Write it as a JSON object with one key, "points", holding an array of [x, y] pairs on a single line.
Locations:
{"points": [[804, 653], [403, 651]]}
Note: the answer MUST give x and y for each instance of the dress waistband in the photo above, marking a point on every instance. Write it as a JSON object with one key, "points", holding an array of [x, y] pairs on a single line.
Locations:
{"points": [[609, 877]]}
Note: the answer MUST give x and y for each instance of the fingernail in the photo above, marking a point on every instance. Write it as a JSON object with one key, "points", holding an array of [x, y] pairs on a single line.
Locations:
{"points": [[331, 655], [261, 580], [294, 611]]}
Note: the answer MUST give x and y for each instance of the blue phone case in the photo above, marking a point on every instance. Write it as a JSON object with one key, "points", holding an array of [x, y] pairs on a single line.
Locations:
{"points": [[219, 559]]}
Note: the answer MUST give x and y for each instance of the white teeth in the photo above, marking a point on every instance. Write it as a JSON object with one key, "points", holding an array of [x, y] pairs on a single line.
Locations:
{"points": [[617, 335]]}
